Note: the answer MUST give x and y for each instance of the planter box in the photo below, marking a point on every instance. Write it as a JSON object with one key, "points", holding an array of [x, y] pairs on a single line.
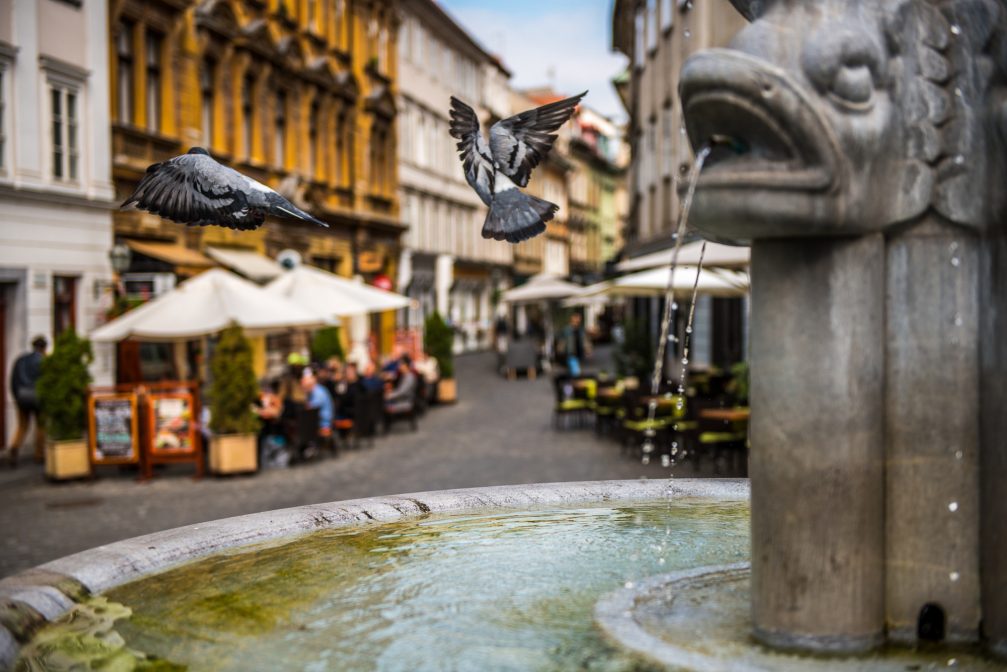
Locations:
{"points": [[234, 454], [66, 459], [447, 391]]}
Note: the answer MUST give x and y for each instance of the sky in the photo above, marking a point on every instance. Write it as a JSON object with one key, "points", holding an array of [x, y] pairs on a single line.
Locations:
{"points": [[564, 43]]}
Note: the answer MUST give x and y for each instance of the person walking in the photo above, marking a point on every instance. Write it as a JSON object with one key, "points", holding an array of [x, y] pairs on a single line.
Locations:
{"points": [[23, 380], [573, 340]]}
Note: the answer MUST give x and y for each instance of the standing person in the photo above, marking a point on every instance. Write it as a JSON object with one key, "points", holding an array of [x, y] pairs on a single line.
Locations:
{"points": [[23, 379], [573, 340]]}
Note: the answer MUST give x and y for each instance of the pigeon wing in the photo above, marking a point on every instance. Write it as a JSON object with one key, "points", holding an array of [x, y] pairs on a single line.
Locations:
{"points": [[473, 150], [520, 142], [194, 189]]}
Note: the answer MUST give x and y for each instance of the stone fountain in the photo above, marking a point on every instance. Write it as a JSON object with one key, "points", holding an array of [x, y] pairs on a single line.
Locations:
{"points": [[861, 150]]}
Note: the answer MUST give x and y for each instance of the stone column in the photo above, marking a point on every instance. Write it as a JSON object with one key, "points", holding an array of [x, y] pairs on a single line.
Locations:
{"points": [[932, 430], [817, 455], [993, 458]]}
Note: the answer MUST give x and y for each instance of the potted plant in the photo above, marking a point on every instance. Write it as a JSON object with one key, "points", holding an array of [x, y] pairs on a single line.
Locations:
{"points": [[62, 394], [439, 340], [233, 446], [326, 344]]}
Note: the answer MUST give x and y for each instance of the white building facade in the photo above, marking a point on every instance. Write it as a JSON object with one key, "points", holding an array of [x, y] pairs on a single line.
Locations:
{"points": [[56, 193], [446, 265]]}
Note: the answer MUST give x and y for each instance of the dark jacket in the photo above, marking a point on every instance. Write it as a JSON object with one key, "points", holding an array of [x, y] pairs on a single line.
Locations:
{"points": [[23, 377]]}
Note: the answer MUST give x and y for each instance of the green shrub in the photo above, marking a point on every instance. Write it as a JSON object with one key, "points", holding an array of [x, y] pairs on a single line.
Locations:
{"points": [[635, 356], [62, 387], [326, 344], [438, 339], [234, 388], [739, 384]]}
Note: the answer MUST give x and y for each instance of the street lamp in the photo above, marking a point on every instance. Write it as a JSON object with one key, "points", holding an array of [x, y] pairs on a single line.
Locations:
{"points": [[120, 256]]}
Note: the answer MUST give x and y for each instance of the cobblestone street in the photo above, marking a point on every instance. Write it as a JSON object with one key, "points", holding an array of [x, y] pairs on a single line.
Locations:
{"points": [[498, 433]]}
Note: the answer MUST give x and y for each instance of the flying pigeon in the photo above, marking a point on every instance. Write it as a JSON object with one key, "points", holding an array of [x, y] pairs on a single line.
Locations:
{"points": [[496, 169], [194, 189]]}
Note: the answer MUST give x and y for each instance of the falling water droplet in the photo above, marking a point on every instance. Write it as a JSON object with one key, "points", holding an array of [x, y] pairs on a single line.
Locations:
{"points": [[953, 246], [955, 261], [958, 92], [682, 130], [679, 404], [660, 561], [959, 160], [952, 507], [687, 33], [958, 320], [954, 576], [674, 305], [629, 585], [645, 459], [666, 461], [959, 454], [688, 330], [648, 447], [685, 360], [956, 29]]}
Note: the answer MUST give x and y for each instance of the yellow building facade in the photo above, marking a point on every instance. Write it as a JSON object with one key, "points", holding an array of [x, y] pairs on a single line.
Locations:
{"points": [[298, 94]]}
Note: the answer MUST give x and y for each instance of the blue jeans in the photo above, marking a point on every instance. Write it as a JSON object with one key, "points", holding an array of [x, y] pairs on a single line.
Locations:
{"points": [[573, 366]]}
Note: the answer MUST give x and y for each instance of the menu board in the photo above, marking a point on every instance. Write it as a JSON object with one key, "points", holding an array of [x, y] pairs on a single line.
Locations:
{"points": [[172, 430], [112, 424]]}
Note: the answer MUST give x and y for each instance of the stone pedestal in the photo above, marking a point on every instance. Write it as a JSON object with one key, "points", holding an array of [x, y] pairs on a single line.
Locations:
{"points": [[817, 443]]}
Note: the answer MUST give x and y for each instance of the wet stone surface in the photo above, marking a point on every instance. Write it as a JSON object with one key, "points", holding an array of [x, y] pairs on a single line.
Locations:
{"points": [[498, 433]]}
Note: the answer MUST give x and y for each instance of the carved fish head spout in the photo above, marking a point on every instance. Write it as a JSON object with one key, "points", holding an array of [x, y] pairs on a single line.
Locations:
{"points": [[844, 117]]}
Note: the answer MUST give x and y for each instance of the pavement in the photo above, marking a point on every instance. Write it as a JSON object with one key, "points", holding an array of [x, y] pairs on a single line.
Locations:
{"points": [[499, 433]]}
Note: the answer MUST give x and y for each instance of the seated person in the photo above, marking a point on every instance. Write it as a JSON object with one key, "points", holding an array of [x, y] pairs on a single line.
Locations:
{"points": [[401, 398], [371, 380], [269, 407], [390, 370], [318, 397], [352, 394]]}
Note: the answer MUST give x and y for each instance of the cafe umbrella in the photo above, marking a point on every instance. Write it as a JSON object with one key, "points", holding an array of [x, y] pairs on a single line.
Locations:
{"points": [[206, 305]]}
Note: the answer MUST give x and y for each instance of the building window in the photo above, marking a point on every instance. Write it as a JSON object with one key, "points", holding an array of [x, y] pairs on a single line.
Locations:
{"points": [[65, 144], [639, 49], [667, 14], [280, 131], [341, 148], [153, 81], [207, 98], [651, 25], [124, 72], [3, 119], [64, 304], [313, 122], [247, 93]]}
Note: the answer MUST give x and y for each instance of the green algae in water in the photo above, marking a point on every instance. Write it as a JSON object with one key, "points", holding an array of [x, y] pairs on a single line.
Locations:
{"points": [[490, 591], [85, 639]]}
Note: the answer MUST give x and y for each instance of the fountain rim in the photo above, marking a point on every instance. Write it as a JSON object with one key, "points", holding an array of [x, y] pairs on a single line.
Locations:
{"points": [[47, 591]]}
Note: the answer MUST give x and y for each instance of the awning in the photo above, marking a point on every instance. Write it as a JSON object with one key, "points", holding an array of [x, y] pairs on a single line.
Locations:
{"points": [[172, 253], [717, 255], [248, 263], [541, 287]]}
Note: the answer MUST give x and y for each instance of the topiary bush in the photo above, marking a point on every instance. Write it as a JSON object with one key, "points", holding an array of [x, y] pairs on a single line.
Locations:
{"points": [[326, 344], [234, 388], [438, 339], [62, 387], [635, 356]]}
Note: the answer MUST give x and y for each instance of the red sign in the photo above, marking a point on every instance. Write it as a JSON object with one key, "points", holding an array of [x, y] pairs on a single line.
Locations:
{"points": [[383, 282]]}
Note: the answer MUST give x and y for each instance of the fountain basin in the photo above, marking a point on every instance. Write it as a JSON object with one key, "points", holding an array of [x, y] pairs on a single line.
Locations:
{"points": [[508, 575]]}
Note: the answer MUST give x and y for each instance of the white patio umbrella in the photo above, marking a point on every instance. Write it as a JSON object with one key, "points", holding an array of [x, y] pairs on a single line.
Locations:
{"points": [[325, 293], [715, 282], [717, 256], [541, 287], [205, 305]]}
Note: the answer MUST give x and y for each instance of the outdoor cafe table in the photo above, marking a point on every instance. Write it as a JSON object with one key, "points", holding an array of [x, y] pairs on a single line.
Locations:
{"points": [[726, 414]]}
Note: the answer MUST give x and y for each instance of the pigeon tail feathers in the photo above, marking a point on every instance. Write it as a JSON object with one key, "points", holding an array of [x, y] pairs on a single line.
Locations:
{"points": [[515, 216]]}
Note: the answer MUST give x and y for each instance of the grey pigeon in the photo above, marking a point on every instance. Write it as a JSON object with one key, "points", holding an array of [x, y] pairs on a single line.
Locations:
{"points": [[194, 189], [497, 169]]}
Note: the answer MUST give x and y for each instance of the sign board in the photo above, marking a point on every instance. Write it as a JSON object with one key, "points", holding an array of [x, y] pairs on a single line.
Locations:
{"points": [[172, 429], [113, 429]]}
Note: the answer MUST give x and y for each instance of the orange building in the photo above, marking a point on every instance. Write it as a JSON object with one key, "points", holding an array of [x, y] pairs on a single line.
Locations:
{"points": [[298, 94]]}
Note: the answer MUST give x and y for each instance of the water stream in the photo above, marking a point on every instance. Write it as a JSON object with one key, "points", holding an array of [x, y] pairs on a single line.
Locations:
{"points": [[670, 306]]}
